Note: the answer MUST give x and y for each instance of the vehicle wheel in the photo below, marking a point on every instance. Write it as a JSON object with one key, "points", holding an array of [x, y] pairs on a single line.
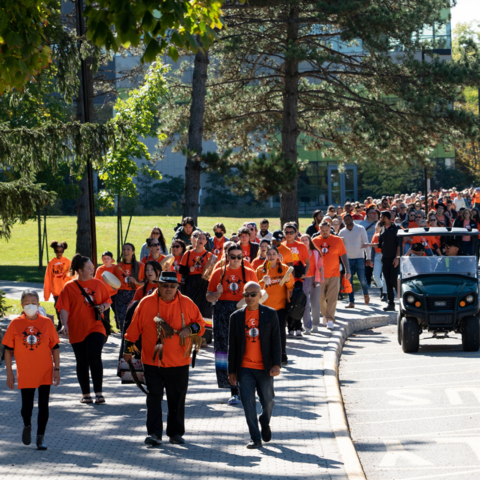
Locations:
{"points": [[410, 334], [471, 334], [399, 327]]}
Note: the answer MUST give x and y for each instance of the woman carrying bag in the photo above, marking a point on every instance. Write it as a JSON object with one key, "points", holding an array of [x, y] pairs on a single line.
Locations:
{"points": [[81, 304]]}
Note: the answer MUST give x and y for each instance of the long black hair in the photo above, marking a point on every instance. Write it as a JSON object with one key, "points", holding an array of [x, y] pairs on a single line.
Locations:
{"points": [[56, 245], [235, 246], [135, 266], [78, 263], [279, 264], [161, 238], [158, 270]]}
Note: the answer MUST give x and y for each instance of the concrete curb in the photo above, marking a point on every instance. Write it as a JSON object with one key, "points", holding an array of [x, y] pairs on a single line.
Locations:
{"points": [[338, 419]]}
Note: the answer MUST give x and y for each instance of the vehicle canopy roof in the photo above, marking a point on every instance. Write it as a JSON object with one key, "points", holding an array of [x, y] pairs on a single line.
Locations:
{"points": [[438, 232]]}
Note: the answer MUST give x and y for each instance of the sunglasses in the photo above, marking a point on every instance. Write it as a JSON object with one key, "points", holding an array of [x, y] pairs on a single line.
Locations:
{"points": [[433, 219], [155, 245], [236, 257], [168, 285], [176, 246], [417, 216], [290, 232], [58, 251], [250, 294]]}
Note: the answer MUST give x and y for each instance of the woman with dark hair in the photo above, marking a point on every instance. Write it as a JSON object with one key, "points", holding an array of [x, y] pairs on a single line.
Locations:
{"points": [[278, 295], [332, 212], [131, 275], [152, 273], [312, 286], [56, 274], [262, 254], [225, 290], [155, 251], [465, 221], [81, 304], [31, 338], [443, 220], [156, 234], [317, 220]]}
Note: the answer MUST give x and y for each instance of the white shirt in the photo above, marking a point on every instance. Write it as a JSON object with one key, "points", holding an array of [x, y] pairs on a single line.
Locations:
{"points": [[268, 236], [459, 203], [353, 240]]}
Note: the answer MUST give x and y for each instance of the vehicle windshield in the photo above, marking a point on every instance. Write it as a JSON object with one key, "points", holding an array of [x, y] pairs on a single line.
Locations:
{"points": [[413, 266]]}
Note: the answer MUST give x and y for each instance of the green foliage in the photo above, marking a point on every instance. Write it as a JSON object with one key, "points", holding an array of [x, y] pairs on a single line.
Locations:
{"points": [[137, 113], [165, 196], [152, 22], [20, 199], [3, 304]]}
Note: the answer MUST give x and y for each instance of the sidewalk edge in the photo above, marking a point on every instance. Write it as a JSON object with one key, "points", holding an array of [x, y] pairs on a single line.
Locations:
{"points": [[338, 419]]}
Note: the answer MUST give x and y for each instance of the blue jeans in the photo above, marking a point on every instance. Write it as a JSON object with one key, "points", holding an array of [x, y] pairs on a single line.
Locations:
{"points": [[357, 265], [250, 379]]}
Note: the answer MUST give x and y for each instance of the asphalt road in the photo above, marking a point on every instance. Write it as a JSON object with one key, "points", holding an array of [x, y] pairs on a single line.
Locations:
{"points": [[412, 416]]}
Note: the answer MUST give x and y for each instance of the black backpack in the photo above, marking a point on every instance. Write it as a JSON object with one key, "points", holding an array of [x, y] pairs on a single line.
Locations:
{"points": [[296, 307]]}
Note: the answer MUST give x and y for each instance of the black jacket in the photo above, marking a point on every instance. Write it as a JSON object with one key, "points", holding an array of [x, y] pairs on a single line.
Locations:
{"points": [[253, 251], [459, 223], [311, 229], [388, 241], [269, 334]]}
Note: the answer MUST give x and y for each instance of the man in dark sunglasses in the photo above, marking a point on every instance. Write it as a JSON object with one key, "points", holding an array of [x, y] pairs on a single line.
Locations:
{"points": [[254, 356]]}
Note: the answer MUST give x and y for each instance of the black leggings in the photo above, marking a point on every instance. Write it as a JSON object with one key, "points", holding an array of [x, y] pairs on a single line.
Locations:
{"points": [[28, 395], [89, 356], [282, 322]]}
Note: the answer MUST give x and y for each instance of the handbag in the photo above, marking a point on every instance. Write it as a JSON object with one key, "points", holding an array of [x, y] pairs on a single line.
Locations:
{"points": [[98, 315], [346, 286], [296, 306]]}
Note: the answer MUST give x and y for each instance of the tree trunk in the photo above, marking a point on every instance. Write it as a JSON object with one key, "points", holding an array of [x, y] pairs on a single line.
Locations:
{"points": [[193, 167], [289, 201]]}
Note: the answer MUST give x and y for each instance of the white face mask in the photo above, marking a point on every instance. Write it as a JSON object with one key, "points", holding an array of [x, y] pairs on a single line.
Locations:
{"points": [[30, 310]]}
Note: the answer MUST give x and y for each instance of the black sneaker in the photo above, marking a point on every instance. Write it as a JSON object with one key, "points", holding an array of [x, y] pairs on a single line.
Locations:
{"points": [[153, 440], [389, 308], [177, 440], [27, 435], [266, 433], [254, 444], [40, 443]]}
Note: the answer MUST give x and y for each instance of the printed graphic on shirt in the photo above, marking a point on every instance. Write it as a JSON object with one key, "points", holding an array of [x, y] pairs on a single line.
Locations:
{"points": [[199, 262], [91, 294], [252, 330], [295, 253], [31, 337], [58, 269], [234, 283], [126, 273], [324, 248]]}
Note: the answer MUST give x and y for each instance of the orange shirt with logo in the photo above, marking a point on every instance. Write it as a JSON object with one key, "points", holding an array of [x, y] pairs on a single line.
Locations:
{"points": [[32, 342], [246, 252], [218, 246], [232, 282], [176, 265], [127, 272], [252, 358], [195, 259], [144, 325], [98, 275], [430, 243], [151, 287], [56, 275], [277, 294], [81, 315], [147, 259], [332, 249], [286, 254]]}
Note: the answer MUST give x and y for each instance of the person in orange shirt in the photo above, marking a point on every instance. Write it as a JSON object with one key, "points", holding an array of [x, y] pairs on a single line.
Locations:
{"points": [[56, 274], [476, 198], [152, 274], [191, 267], [179, 319], [225, 291], [254, 354], [332, 249], [85, 332], [131, 274], [219, 239], [155, 254], [33, 341], [278, 295], [108, 266], [262, 254], [177, 249], [286, 253], [249, 249]]}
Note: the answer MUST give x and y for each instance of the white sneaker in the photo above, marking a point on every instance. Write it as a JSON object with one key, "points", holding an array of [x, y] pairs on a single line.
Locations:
{"points": [[291, 333], [315, 329], [330, 325], [299, 333]]}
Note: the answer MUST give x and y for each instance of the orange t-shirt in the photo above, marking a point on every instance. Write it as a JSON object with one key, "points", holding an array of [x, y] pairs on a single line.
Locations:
{"points": [[218, 246], [246, 252], [313, 264], [127, 271], [32, 342], [375, 239], [81, 316], [139, 293], [144, 325], [286, 254], [252, 358], [56, 275], [430, 243], [277, 294], [257, 262], [332, 249], [111, 291], [176, 266], [477, 197], [232, 282], [195, 259], [147, 259]]}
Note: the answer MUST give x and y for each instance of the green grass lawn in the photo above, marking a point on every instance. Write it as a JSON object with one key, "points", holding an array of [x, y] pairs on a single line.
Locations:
{"points": [[19, 256]]}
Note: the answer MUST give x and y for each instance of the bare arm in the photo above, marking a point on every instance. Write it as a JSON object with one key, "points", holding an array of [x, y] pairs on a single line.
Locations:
{"points": [[346, 265], [56, 361], [64, 320], [8, 366]]}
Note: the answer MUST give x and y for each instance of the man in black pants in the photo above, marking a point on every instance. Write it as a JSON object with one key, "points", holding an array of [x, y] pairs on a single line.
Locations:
{"points": [[165, 320], [390, 244]]}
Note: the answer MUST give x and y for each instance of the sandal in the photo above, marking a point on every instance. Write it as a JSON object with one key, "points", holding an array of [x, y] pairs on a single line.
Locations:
{"points": [[99, 399], [86, 400]]}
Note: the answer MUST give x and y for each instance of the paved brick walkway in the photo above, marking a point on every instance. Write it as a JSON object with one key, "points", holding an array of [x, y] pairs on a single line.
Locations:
{"points": [[106, 441]]}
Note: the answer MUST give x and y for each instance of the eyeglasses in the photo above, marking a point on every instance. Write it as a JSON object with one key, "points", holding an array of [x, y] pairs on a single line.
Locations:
{"points": [[250, 294], [418, 216], [290, 232], [236, 257], [168, 285], [156, 233], [433, 220], [58, 251], [176, 246], [155, 245]]}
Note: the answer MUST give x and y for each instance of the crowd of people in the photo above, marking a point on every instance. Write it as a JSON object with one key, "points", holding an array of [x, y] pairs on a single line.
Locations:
{"points": [[259, 287]]}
